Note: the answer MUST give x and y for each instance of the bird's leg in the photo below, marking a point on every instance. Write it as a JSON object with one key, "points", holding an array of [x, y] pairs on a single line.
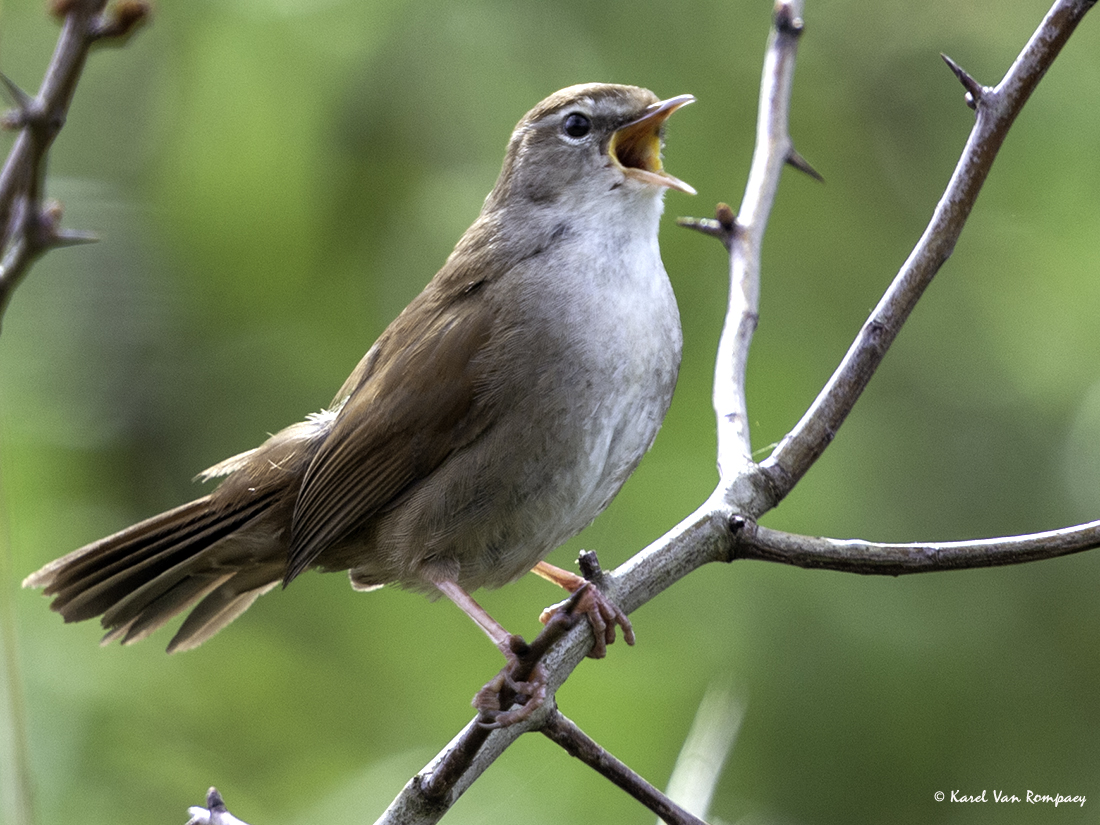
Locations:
{"points": [[521, 683], [520, 688], [493, 629], [601, 612]]}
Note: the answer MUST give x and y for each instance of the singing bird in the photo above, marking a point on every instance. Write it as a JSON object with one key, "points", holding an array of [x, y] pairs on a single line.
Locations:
{"points": [[494, 419]]}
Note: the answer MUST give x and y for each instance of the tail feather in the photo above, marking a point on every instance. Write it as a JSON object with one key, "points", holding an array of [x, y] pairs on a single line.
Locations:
{"points": [[223, 545], [225, 603], [141, 577], [152, 614], [90, 564]]}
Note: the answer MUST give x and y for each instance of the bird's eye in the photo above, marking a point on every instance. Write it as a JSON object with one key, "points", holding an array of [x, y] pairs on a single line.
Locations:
{"points": [[576, 125]]}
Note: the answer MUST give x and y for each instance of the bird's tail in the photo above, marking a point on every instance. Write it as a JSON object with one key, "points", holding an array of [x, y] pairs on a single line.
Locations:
{"points": [[141, 577]]}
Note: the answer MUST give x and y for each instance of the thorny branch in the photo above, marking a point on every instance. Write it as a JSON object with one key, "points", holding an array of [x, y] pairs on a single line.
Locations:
{"points": [[30, 225], [705, 535], [743, 237], [724, 528], [996, 108]]}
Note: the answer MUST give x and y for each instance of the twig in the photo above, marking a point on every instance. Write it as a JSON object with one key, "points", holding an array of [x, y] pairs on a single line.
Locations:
{"points": [[701, 538], [29, 224], [871, 558], [436, 785], [996, 108], [563, 731], [743, 236]]}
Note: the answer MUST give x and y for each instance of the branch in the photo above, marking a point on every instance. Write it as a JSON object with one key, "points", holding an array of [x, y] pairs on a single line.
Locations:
{"points": [[30, 225], [701, 538], [743, 236], [870, 558], [576, 742], [997, 109]]}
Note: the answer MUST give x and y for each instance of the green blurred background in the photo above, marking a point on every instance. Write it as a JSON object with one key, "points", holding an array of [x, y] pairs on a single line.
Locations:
{"points": [[274, 180]]}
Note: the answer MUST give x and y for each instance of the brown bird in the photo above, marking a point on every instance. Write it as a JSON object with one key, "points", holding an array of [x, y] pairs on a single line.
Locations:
{"points": [[494, 419]]}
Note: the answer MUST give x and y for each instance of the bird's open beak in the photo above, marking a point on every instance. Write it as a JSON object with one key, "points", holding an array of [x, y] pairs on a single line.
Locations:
{"points": [[636, 147]]}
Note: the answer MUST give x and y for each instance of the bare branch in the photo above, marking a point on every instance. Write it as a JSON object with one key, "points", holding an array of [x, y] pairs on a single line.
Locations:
{"points": [[576, 742], [997, 108], [701, 538], [871, 558], [773, 151], [29, 225]]}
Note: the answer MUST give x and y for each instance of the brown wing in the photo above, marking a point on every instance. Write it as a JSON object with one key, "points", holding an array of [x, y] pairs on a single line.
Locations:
{"points": [[413, 400]]}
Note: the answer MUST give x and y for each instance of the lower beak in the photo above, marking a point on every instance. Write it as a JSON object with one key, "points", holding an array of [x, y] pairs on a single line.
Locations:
{"points": [[636, 147]]}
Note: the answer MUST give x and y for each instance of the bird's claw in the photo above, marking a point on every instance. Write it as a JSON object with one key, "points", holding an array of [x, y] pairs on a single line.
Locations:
{"points": [[602, 614], [520, 689], [506, 701]]}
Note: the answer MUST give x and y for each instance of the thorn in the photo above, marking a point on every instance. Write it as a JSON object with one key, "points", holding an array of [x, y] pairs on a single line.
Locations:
{"points": [[802, 165], [705, 225], [48, 233], [73, 237], [21, 99], [974, 89], [26, 107]]}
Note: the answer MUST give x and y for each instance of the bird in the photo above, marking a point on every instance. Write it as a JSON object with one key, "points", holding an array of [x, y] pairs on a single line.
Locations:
{"points": [[490, 422]]}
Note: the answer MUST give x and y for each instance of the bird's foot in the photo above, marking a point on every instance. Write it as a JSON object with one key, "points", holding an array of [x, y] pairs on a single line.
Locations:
{"points": [[521, 688], [603, 615], [507, 700]]}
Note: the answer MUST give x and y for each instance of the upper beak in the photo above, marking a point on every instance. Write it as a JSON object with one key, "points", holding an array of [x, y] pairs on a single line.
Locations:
{"points": [[636, 147]]}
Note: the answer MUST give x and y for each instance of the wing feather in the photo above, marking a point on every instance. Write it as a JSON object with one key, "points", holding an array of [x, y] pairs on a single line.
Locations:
{"points": [[417, 399]]}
